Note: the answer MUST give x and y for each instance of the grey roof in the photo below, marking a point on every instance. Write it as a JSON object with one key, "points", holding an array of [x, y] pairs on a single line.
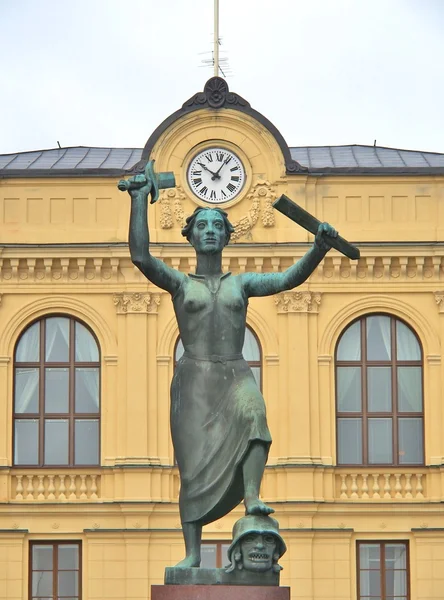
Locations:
{"points": [[367, 157], [353, 159]]}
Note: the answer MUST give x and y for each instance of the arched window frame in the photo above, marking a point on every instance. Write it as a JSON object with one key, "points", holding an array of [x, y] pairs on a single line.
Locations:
{"points": [[254, 364], [72, 415], [366, 414]]}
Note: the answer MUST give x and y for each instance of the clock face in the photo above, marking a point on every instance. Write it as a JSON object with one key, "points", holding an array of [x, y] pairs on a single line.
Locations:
{"points": [[216, 175]]}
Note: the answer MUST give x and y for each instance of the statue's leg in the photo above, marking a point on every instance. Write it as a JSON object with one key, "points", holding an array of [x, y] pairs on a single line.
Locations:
{"points": [[253, 470], [192, 534]]}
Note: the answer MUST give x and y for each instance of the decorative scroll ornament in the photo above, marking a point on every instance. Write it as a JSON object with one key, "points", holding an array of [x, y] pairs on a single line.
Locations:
{"points": [[171, 203], [216, 95], [290, 302], [439, 298], [127, 303], [261, 193]]}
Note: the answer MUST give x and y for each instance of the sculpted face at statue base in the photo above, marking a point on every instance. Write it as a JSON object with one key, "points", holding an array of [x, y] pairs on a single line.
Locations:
{"points": [[256, 546]]}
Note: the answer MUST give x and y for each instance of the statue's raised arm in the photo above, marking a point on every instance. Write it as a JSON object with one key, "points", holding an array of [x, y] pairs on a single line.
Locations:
{"points": [[139, 188], [267, 284]]}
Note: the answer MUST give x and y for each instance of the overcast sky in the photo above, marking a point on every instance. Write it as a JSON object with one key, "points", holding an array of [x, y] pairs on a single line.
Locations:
{"points": [[325, 72]]}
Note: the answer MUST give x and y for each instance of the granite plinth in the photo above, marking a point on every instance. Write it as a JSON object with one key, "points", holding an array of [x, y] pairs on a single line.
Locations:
{"points": [[219, 592], [201, 576]]}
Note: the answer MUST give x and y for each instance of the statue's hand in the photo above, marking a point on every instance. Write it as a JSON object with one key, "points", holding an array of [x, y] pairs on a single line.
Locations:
{"points": [[325, 231], [137, 185]]}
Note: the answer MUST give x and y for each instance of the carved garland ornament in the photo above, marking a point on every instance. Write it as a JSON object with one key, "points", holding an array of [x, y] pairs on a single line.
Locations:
{"points": [[171, 203], [127, 303], [439, 298], [261, 193], [290, 302]]}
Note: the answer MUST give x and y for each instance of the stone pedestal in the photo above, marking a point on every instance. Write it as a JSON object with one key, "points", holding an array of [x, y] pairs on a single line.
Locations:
{"points": [[203, 576], [219, 592]]}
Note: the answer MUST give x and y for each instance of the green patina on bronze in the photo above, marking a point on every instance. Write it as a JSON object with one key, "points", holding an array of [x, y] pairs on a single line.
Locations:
{"points": [[218, 421]]}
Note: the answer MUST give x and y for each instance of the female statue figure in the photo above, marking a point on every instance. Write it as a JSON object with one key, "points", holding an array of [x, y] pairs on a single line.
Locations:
{"points": [[218, 422]]}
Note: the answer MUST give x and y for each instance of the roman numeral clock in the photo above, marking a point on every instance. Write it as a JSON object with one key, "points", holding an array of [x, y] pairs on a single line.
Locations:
{"points": [[216, 175]]}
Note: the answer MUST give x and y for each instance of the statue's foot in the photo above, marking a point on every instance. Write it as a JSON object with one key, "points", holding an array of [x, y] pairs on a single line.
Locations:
{"points": [[188, 561], [257, 507]]}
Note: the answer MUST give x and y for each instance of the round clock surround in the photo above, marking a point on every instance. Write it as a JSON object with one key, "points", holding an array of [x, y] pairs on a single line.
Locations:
{"points": [[216, 175]]}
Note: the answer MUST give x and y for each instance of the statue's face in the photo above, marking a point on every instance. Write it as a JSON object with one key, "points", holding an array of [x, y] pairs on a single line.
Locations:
{"points": [[208, 235], [257, 551]]}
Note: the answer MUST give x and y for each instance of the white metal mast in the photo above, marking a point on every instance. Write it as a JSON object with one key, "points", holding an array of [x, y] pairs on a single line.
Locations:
{"points": [[216, 38]]}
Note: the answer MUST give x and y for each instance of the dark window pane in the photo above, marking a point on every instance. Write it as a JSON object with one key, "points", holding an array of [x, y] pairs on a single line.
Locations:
{"points": [[409, 389], [29, 345], [350, 441], [257, 375], [395, 583], [87, 390], [411, 441], [350, 345], [349, 389], [42, 583], [395, 556], [209, 556], [42, 558], [179, 350], [379, 384], [224, 554], [68, 583], [86, 442], [57, 339], [56, 442], [380, 445], [369, 556], [68, 556], [378, 338], [26, 391], [407, 346], [370, 583], [57, 390], [86, 349], [251, 348], [26, 442]]}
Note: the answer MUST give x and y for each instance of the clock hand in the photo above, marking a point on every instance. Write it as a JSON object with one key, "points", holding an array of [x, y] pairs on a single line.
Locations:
{"points": [[215, 175]]}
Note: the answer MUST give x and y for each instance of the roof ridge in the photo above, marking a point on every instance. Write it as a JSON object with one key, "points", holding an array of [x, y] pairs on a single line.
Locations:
{"points": [[371, 146], [132, 148], [72, 148]]}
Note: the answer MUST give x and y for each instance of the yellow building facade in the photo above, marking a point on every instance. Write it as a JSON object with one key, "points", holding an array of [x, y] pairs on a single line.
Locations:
{"points": [[351, 367]]}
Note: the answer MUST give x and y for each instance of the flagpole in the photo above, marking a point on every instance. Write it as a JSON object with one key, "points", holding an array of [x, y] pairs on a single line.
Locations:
{"points": [[216, 38]]}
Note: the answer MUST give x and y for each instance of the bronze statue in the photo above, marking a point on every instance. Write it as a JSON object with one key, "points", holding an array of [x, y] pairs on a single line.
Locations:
{"points": [[218, 422]]}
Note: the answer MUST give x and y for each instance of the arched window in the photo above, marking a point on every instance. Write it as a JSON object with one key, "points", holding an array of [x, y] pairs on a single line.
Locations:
{"points": [[56, 395], [251, 351], [379, 394]]}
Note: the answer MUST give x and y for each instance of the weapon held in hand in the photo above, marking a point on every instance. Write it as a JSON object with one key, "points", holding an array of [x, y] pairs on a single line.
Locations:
{"points": [[159, 181], [300, 216]]}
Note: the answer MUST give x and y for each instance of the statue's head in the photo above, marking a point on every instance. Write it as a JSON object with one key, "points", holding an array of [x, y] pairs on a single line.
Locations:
{"points": [[257, 545], [208, 230]]}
